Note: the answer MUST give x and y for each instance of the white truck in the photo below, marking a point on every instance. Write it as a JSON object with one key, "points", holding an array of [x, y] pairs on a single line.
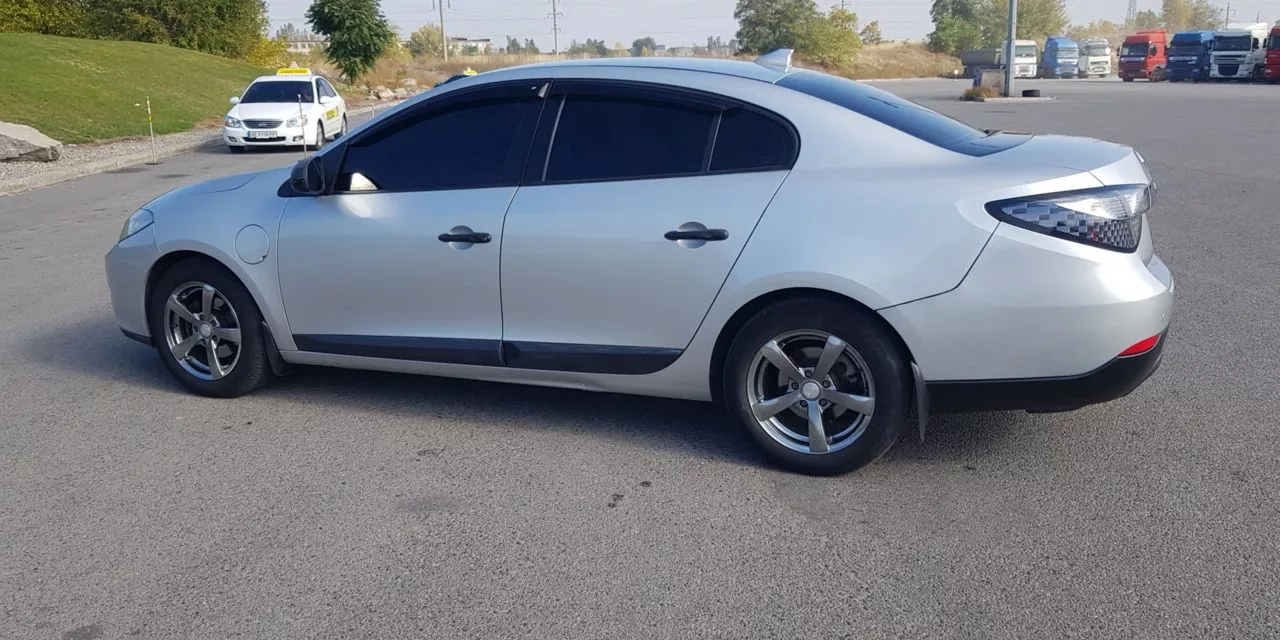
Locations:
{"points": [[1026, 57], [1239, 52], [1095, 58]]}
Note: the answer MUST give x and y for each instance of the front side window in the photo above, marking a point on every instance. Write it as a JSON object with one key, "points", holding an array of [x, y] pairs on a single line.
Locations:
{"points": [[464, 146], [619, 138], [279, 91]]}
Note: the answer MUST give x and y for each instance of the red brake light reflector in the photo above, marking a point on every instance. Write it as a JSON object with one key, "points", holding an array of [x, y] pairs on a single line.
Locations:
{"points": [[1141, 347]]}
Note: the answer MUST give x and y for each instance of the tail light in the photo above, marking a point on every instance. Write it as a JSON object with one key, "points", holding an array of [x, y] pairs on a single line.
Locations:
{"points": [[1107, 217]]}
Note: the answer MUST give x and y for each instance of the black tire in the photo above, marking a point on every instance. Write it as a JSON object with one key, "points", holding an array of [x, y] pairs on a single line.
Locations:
{"points": [[1126, 79], [867, 336], [253, 369], [319, 136], [343, 130]]}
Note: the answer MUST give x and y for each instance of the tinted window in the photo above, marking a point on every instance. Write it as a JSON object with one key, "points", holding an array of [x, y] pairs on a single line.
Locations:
{"points": [[325, 89], [903, 115], [279, 91], [458, 147], [748, 140], [604, 138]]}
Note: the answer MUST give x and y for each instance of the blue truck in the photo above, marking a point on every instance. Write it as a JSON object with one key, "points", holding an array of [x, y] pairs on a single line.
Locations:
{"points": [[1061, 58], [1189, 56]]}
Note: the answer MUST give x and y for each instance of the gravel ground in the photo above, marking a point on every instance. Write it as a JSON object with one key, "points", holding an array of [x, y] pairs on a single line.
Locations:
{"points": [[75, 155]]}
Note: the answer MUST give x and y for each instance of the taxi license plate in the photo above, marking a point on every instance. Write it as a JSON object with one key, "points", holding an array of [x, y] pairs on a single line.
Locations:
{"points": [[267, 135]]}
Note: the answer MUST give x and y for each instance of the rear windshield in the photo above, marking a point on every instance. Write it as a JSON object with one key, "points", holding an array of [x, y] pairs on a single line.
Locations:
{"points": [[905, 116]]}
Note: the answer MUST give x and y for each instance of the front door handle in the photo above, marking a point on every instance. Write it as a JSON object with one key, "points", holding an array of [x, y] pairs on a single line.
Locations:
{"points": [[467, 237], [706, 235]]}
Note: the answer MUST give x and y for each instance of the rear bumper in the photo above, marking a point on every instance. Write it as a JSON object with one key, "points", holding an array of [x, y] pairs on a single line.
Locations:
{"points": [[1116, 379]]}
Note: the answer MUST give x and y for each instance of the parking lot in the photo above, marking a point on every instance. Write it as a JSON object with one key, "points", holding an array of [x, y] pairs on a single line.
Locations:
{"points": [[360, 505]]}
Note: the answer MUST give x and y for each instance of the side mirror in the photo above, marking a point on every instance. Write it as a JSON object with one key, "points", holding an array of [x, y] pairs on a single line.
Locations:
{"points": [[234, 101], [307, 177]]}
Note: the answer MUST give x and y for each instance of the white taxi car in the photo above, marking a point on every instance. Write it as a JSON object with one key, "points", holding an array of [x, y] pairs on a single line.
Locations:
{"points": [[292, 108]]}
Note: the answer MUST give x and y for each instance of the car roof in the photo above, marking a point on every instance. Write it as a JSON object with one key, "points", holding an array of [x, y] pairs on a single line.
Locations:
{"points": [[738, 68], [287, 77]]}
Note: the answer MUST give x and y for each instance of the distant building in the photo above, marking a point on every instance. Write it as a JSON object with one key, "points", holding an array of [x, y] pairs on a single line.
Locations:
{"points": [[461, 45], [304, 46], [681, 51]]}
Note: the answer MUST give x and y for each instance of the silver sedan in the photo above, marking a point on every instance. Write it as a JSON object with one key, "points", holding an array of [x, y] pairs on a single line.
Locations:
{"points": [[830, 262]]}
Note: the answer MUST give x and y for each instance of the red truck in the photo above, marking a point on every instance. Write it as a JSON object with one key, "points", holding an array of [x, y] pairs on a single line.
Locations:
{"points": [[1143, 55], [1272, 70]]}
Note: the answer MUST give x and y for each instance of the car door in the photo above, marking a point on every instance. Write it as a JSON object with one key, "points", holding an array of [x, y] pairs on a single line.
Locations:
{"points": [[400, 258], [332, 105], [632, 214]]}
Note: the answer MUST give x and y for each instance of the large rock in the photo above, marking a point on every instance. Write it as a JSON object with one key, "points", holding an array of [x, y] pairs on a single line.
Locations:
{"points": [[402, 93], [409, 83], [20, 142], [384, 93]]}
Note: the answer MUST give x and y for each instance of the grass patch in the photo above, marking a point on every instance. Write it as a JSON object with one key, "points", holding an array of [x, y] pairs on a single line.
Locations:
{"points": [[898, 60], [78, 90]]}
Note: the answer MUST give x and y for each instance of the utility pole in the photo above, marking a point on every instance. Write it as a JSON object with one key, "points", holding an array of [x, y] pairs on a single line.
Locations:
{"points": [[1132, 15], [555, 29], [1008, 54], [444, 40], [1226, 17]]}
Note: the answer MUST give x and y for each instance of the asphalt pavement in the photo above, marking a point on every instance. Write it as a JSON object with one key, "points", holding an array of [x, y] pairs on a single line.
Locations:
{"points": [[359, 505]]}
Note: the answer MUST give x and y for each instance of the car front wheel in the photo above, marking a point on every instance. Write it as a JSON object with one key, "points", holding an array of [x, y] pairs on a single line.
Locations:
{"points": [[208, 330], [821, 387]]}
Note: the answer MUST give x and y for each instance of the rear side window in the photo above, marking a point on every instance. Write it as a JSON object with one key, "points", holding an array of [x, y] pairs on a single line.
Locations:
{"points": [[618, 138], [464, 146], [748, 140], [903, 115]]}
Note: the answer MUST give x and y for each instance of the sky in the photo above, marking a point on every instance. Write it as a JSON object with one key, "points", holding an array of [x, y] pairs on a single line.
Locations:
{"points": [[679, 22]]}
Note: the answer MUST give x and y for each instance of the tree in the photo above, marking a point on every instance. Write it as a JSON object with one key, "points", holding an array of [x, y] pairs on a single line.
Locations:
{"points": [[830, 41], [50, 17], [1037, 20], [1112, 32], [1204, 15], [870, 34], [358, 34], [1176, 14], [427, 41], [531, 47], [643, 46], [955, 26], [1147, 20], [619, 50], [766, 25], [595, 48], [513, 45], [230, 28]]}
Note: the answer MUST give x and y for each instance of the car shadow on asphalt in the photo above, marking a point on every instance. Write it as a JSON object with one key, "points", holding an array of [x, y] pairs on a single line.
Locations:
{"points": [[95, 347]]}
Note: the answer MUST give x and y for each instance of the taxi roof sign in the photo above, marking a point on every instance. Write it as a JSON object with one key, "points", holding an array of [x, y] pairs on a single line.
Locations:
{"points": [[290, 71], [469, 72]]}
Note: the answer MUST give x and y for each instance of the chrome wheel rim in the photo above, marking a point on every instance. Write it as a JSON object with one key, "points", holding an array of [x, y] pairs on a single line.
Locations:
{"points": [[202, 331], [810, 392]]}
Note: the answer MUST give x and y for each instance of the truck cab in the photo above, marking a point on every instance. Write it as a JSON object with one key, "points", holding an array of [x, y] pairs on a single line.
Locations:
{"points": [[1272, 70], [1095, 58], [1238, 53], [1144, 55], [1025, 57], [1189, 56], [1061, 58]]}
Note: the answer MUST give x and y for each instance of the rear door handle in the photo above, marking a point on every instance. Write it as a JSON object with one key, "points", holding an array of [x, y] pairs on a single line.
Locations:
{"points": [[708, 235], [469, 237]]}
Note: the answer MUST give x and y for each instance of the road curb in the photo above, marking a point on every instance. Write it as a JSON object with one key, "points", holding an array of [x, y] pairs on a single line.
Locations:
{"points": [[49, 178]]}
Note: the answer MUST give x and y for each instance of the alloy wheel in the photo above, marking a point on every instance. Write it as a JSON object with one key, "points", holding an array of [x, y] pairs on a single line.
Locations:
{"points": [[202, 331], [810, 391]]}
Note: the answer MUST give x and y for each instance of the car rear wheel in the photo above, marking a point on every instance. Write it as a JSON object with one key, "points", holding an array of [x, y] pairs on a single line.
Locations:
{"points": [[208, 330], [820, 387]]}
